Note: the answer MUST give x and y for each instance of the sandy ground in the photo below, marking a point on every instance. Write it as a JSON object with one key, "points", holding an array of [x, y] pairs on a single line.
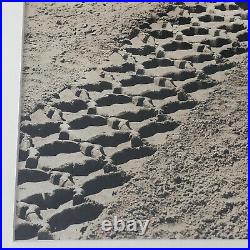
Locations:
{"points": [[159, 132], [72, 39], [196, 185]]}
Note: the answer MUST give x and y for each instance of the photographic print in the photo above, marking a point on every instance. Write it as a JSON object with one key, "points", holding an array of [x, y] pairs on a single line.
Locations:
{"points": [[133, 121]]}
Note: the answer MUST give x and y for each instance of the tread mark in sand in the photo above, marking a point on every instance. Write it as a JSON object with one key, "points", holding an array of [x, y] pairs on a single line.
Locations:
{"points": [[86, 133]]}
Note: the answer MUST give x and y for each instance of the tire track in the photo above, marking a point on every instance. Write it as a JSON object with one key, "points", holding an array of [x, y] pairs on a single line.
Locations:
{"points": [[73, 147]]}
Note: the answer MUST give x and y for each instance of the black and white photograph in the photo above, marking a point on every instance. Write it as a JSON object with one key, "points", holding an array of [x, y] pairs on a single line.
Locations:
{"points": [[133, 121]]}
